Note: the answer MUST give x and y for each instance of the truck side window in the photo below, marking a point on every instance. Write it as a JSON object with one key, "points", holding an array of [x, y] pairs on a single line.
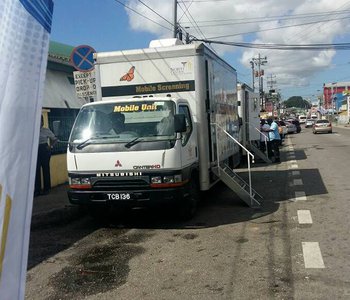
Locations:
{"points": [[183, 109]]}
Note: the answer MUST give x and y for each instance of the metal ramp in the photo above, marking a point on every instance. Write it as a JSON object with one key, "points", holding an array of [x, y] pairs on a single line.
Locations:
{"points": [[237, 184], [259, 153]]}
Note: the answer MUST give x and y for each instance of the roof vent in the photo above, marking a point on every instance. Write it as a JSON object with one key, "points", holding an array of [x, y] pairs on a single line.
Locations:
{"points": [[165, 43]]}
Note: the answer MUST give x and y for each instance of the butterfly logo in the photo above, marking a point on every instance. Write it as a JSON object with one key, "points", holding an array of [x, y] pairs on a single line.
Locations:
{"points": [[128, 76]]}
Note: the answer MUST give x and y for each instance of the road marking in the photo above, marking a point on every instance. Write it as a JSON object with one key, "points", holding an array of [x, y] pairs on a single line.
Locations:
{"points": [[337, 134], [296, 173], [293, 162], [297, 182], [294, 166], [304, 217], [300, 196], [312, 255]]}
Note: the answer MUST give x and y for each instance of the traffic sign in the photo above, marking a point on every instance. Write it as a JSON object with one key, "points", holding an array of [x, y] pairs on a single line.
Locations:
{"points": [[82, 59], [85, 84]]}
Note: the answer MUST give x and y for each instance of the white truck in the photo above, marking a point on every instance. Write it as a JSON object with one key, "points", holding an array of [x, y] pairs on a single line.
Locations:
{"points": [[164, 124]]}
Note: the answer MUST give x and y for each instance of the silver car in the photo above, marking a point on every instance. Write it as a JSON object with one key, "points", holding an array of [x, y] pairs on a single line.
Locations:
{"points": [[291, 128], [322, 126]]}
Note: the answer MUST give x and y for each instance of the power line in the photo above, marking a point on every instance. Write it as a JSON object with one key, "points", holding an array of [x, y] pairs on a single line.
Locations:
{"points": [[136, 12], [277, 18], [266, 21], [312, 47], [151, 9], [306, 32], [276, 28]]}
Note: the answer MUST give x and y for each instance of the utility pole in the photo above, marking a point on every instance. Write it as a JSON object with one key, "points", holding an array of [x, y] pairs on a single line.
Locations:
{"points": [[253, 83], [260, 61], [271, 82], [175, 19]]}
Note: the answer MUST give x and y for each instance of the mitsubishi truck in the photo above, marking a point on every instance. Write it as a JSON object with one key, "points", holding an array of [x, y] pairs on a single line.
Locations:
{"points": [[164, 123]]}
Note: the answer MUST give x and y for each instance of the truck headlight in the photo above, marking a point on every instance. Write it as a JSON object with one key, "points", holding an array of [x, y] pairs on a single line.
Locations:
{"points": [[156, 180], [167, 181], [79, 182]]}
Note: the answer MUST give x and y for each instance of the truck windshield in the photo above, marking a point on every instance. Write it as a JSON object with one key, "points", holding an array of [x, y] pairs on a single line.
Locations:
{"points": [[124, 121]]}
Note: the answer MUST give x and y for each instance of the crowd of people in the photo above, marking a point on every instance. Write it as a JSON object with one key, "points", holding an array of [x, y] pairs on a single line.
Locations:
{"points": [[270, 139]]}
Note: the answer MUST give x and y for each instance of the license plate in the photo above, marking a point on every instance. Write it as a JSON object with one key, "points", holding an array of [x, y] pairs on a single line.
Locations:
{"points": [[119, 196]]}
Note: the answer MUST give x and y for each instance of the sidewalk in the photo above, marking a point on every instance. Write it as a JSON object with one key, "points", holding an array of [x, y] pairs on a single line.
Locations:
{"points": [[53, 208]]}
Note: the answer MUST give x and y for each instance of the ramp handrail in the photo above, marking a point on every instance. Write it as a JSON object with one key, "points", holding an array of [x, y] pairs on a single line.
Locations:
{"points": [[249, 155]]}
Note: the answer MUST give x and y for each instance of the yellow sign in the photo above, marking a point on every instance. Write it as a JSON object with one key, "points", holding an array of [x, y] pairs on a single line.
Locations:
{"points": [[135, 108]]}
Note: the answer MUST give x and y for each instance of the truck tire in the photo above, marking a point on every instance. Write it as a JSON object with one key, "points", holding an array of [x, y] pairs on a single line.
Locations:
{"points": [[188, 208]]}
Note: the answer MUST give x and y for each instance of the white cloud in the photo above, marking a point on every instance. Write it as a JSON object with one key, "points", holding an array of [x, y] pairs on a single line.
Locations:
{"points": [[290, 67]]}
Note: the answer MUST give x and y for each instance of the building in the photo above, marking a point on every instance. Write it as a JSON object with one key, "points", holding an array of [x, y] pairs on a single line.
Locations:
{"points": [[60, 103], [333, 95]]}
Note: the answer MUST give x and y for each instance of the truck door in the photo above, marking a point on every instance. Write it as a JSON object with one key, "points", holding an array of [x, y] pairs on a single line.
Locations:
{"points": [[189, 151]]}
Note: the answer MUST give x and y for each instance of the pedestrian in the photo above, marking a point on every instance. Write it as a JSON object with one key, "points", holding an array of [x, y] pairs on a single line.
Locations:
{"points": [[264, 135], [275, 139], [46, 141]]}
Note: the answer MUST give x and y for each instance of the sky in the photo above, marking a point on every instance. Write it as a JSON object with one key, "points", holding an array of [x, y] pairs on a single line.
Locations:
{"points": [[109, 25]]}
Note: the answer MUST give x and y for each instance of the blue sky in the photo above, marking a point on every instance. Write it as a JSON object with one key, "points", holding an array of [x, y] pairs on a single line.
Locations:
{"points": [[107, 25]]}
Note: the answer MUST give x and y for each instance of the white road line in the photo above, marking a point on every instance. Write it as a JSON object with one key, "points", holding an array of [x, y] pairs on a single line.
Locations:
{"points": [[312, 255], [304, 217], [337, 134], [294, 166], [295, 173], [300, 196], [297, 182], [293, 162]]}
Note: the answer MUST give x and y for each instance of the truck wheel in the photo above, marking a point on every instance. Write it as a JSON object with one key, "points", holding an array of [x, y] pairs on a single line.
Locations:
{"points": [[188, 208]]}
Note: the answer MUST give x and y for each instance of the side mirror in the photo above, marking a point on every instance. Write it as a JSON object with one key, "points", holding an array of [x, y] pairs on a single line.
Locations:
{"points": [[179, 123], [56, 127]]}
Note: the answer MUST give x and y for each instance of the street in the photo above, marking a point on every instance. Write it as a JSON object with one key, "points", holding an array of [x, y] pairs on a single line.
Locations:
{"points": [[295, 247]]}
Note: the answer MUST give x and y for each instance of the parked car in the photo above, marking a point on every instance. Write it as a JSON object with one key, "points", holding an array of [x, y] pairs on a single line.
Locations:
{"points": [[291, 128], [322, 126], [296, 123], [302, 119], [309, 123], [282, 128]]}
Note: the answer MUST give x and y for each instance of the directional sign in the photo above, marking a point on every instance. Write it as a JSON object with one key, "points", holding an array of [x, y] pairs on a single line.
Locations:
{"points": [[82, 58]]}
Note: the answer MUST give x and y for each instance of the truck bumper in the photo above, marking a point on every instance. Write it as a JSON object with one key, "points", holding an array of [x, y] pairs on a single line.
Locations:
{"points": [[140, 198]]}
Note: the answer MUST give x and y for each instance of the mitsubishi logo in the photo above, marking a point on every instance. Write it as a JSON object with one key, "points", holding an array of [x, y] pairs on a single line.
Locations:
{"points": [[118, 164]]}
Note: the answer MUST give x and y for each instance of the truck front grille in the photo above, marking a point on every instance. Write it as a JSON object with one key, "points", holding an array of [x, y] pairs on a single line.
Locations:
{"points": [[120, 184]]}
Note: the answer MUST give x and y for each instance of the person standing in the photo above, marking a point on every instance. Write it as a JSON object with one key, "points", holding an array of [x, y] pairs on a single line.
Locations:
{"points": [[264, 137], [47, 140], [275, 139]]}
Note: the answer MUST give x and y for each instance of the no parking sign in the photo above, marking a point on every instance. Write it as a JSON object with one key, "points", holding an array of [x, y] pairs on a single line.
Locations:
{"points": [[82, 59]]}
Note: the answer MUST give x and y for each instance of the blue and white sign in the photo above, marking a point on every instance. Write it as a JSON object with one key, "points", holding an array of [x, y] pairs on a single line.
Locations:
{"points": [[82, 58]]}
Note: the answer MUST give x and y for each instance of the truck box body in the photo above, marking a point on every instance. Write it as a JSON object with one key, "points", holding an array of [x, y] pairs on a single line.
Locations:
{"points": [[249, 112], [146, 86]]}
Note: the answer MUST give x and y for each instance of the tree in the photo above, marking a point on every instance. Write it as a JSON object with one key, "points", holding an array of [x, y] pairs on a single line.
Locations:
{"points": [[297, 101]]}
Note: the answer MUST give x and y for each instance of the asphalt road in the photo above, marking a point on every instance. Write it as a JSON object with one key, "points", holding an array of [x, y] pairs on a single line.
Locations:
{"points": [[228, 251]]}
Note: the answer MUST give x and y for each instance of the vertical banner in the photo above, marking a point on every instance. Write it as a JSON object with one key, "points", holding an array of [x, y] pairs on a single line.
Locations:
{"points": [[24, 38]]}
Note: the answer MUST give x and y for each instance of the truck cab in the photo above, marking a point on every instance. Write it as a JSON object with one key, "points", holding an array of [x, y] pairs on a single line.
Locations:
{"points": [[135, 152]]}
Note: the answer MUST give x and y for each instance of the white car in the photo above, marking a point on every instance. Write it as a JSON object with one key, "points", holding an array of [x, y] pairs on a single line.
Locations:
{"points": [[291, 128], [309, 123]]}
